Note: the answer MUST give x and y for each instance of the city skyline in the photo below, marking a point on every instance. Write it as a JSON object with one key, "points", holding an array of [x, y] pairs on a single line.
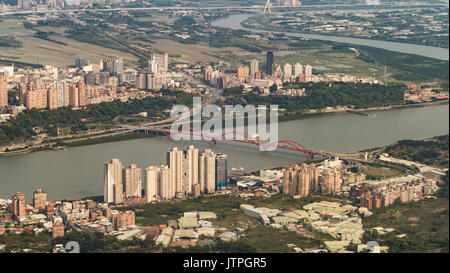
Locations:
{"points": [[135, 126]]}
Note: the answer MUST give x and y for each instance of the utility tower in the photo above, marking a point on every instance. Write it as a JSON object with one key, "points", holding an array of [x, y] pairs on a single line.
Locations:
{"points": [[267, 7], [385, 75]]}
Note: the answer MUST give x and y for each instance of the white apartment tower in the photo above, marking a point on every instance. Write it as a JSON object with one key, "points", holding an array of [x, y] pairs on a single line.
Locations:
{"points": [[152, 183], [165, 182], [207, 171], [254, 67], [287, 71], [298, 69], [190, 169], [132, 177], [308, 71], [113, 187], [175, 162]]}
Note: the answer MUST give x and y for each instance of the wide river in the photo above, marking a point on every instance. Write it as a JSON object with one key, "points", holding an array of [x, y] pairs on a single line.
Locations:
{"points": [[78, 172], [234, 22]]}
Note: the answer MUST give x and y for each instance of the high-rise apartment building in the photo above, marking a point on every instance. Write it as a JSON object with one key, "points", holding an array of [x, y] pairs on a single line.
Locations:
{"points": [[166, 183], [269, 63], [331, 181], [300, 179], [3, 91], [122, 218], [39, 199], [113, 186], [175, 161], [243, 72], [153, 66], [62, 93], [80, 62], [113, 65], [221, 169], [82, 94], [73, 95], [18, 205], [308, 71], [287, 70], [152, 181], [162, 60], [254, 67], [207, 171], [298, 69], [190, 169], [132, 180], [52, 98]]}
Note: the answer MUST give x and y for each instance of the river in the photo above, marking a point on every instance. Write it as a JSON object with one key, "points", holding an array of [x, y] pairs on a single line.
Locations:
{"points": [[78, 172], [234, 22]]}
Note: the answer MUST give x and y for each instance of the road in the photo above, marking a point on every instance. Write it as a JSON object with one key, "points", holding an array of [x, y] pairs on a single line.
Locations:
{"points": [[247, 8]]}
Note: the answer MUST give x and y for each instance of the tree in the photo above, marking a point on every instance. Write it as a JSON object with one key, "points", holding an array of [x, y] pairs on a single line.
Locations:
{"points": [[273, 88]]}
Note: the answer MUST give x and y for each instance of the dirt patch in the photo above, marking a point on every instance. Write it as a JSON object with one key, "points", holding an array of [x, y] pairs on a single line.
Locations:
{"points": [[190, 52]]}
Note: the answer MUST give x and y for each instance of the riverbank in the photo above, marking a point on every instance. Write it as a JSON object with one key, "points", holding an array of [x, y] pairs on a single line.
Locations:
{"points": [[343, 110], [234, 22], [100, 139], [257, 23], [78, 171]]}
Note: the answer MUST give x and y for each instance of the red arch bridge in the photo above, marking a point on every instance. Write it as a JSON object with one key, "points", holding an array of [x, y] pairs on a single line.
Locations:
{"points": [[234, 136]]}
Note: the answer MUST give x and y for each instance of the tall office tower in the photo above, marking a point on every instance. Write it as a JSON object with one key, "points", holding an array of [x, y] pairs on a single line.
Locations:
{"points": [[308, 71], [165, 183], [39, 199], [3, 91], [162, 60], [254, 67], [207, 171], [73, 95], [243, 71], [82, 95], [269, 63], [298, 69], [113, 187], [18, 205], [132, 181], [190, 169], [52, 98], [80, 62], [175, 161], [152, 177], [287, 70], [221, 169]]}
